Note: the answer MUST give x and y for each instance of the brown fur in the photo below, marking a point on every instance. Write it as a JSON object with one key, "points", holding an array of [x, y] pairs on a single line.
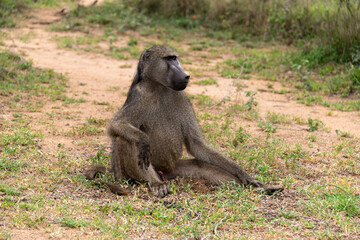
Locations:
{"points": [[148, 133]]}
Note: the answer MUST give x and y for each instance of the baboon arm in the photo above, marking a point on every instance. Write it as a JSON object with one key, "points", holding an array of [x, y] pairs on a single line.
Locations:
{"points": [[132, 135], [200, 149], [126, 131]]}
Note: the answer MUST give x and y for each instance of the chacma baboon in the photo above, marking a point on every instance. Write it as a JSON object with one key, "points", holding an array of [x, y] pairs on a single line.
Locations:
{"points": [[148, 133]]}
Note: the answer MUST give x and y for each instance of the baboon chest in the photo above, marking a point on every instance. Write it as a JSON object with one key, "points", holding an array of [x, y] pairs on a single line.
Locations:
{"points": [[164, 129]]}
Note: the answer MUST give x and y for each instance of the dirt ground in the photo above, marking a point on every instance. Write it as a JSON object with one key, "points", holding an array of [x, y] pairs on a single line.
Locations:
{"points": [[97, 74]]}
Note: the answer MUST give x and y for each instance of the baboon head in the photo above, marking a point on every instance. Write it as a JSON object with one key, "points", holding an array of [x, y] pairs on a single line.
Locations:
{"points": [[161, 64]]}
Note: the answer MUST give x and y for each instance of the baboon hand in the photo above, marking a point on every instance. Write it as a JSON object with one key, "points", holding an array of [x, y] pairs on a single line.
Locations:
{"points": [[144, 154], [160, 189]]}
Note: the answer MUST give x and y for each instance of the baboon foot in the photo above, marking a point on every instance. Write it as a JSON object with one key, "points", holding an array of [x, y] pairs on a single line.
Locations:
{"points": [[269, 190], [160, 189], [93, 170]]}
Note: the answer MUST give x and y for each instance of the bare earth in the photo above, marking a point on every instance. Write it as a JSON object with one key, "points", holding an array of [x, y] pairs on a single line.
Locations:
{"points": [[97, 75]]}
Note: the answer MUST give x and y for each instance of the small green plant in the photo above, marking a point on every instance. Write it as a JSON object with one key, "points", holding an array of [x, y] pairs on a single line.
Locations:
{"points": [[132, 42], [267, 127], [240, 137], [343, 134], [312, 138], [314, 124], [269, 85], [251, 101]]}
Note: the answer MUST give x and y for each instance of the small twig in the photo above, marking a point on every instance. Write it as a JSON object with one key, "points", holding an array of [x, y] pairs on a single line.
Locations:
{"points": [[216, 226]]}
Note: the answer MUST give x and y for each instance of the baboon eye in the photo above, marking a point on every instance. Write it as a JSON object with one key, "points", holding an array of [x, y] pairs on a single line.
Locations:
{"points": [[171, 58]]}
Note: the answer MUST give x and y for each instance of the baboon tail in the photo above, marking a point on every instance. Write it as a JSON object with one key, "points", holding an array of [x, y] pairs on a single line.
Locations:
{"points": [[96, 169], [116, 189]]}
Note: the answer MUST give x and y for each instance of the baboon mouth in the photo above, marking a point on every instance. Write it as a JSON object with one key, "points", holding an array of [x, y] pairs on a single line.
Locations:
{"points": [[180, 86]]}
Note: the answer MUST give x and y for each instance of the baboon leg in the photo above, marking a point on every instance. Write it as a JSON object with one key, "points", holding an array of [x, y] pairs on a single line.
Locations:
{"points": [[195, 168], [116, 161], [211, 174], [125, 164], [197, 147]]}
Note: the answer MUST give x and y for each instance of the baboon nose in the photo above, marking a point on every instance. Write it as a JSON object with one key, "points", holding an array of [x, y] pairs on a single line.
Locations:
{"points": [[187, 77]]}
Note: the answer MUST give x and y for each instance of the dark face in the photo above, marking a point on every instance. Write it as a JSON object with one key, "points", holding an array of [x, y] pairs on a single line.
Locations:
{"points": [[160, 64], [177, 79]]}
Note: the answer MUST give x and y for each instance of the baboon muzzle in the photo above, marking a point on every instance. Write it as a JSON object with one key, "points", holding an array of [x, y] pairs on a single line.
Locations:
{"points": [[181, 84]]}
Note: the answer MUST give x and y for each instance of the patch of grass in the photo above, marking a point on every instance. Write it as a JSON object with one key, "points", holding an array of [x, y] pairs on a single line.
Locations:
{"points": [[97, 121], [21, 137], [125, 65], [278, 118], [309, 100], [299, 120], [243, 65], [9, 8], [118, 16], [16, 147], [85, 130], [281, 91], [78, 42], [72, 223], [328, 199], [24, 85], [203, 100], [101, 157], [9, 190], [267, 127], [132, 41], [209, 81], [343, 134], [347, 105], [123, 52], [70, 100], [101, 103]]}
